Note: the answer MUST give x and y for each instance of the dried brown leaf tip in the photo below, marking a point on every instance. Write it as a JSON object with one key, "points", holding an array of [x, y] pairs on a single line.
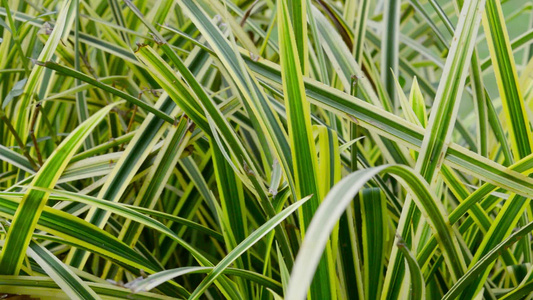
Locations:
{"points": [[247, 169], [46, 29], [139, 46]]}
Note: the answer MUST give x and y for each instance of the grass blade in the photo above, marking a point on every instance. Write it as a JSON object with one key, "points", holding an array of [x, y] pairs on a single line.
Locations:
{"points": [[28, 212], [69, 282]]}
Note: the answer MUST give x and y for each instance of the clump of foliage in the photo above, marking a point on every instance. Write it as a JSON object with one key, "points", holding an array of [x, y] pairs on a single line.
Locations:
{"points": [[238, 149]]}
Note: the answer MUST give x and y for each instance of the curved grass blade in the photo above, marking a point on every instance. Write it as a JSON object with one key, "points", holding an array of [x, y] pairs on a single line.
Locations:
{"points": [[126, 212], [156, 279], [519, 131], [485, 262], [394, 128], [85, 78], [437, 138], [32, 203], [140, 209], [45, 287], [418, 288], [177, 139], [69, 282], [125, 169], [253, 238], [335, 204], [15, 159], [74, 231]]}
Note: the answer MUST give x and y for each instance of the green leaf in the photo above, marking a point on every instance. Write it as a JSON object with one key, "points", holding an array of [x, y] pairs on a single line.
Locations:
{"points": [[375, 232], [30, 209], [18, 89], [62, 26], [301, 140], [390, 48], [335, 204], [69, 282], [45, 287], [253, 238], [70, 72], [484, 262], [156, 279], [417, 289], [124, 170], [507, 79]]}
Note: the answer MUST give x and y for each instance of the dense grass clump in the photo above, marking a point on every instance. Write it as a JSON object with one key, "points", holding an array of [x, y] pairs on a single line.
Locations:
{"points": [[268, 149]]}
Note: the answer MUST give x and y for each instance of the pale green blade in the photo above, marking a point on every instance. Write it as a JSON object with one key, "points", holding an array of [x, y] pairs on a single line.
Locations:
{"points": [[69, 282]]}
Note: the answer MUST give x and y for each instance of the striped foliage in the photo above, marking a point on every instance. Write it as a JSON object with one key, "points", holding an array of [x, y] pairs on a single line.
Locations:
{"points": [[267, 149]]}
